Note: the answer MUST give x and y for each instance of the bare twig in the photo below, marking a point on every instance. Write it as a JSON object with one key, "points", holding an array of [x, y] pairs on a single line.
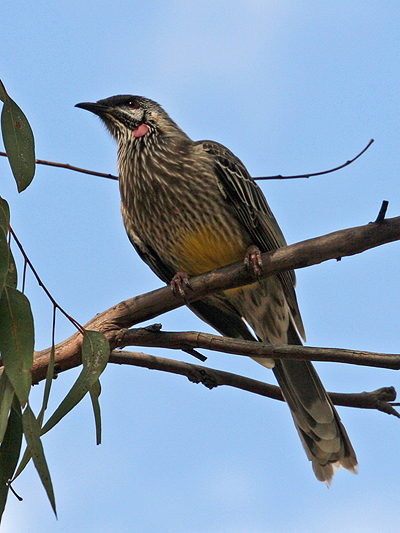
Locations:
{"points": [[70, 167], [279, 177], [211, 378], [194, 339], [382, 211], [19, 498], [41, 284]]}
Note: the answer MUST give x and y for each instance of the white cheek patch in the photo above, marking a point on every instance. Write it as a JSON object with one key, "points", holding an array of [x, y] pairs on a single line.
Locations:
{"points": [[141, 130]]}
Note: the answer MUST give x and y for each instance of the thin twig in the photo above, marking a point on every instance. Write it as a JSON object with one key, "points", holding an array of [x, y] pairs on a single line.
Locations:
{"points": [[40, 282], [382, 211], [70, 167], [279, 177], [19, 498]]}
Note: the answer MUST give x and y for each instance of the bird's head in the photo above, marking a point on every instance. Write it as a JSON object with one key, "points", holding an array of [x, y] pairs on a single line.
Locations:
{"points": [[127, 115]]}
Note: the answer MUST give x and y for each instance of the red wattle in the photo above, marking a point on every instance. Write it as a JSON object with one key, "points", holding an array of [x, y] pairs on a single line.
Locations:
{"points": [[141, 130]]}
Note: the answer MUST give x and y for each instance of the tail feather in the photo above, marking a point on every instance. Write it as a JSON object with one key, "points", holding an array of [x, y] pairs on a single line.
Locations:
{"points": [[322, 433]]}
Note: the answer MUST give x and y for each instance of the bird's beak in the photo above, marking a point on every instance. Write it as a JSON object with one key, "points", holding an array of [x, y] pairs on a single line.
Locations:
{"points": [[94, 107]]}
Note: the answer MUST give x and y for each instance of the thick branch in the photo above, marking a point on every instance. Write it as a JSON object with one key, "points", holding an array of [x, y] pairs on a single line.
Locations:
{"points": [[213, 378], [147, 306]]}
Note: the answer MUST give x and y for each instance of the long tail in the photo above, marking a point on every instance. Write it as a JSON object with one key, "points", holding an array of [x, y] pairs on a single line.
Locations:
{"points": [[322, 433]]}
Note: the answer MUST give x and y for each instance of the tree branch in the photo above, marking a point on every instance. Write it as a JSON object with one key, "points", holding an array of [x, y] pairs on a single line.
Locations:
{"points": [[70, 167], [278, 177], [211, 378], [194, 339], [147, 306], [310, 175]]}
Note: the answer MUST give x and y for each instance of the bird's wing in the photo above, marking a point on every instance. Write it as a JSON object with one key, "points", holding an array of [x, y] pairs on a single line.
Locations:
{"points": [[253, 211]]}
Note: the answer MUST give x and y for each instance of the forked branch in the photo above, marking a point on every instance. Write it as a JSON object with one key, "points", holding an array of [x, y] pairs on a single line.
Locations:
{"points": [[114, 321]]}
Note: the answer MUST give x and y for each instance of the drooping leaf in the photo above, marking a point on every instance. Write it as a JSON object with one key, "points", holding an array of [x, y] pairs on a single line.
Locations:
{"points": [[11, 279], [95, 352], [8, 275], [32, 435], [49, 381], [95, 392], [12, 275], [24, 461], [4, 215], [18, 141], [3, 94], [4, 259], [9, 452], [6, 399], [17, 340], [49, 378]]}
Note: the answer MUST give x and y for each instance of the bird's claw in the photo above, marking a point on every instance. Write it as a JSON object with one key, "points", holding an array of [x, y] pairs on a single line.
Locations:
{"points": [[253, 260], [178, 284]]}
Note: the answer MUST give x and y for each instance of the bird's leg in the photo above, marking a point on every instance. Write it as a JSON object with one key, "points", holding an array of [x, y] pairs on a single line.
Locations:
{"points": [[178, 284], [252, 260]]}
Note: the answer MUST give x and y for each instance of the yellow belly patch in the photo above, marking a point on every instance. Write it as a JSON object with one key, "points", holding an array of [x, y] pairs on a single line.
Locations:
{"points": [[205, 250]]}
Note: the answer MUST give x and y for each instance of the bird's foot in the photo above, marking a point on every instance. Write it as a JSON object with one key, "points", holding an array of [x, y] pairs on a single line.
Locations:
{"points": [[178, 284], [253, 260]]}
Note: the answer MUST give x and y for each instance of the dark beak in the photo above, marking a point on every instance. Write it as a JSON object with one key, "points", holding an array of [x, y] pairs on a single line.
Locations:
{"points": [[94, 107]]}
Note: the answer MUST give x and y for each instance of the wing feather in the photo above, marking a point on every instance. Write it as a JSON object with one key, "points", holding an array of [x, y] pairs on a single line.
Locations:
{"points": [[253, 211]]}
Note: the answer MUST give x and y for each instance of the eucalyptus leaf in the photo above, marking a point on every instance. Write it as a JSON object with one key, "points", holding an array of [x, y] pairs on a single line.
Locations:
{"points": [[95, 352], [4, 215], [6, 400], [12, 275], [4, 260], [9, 452], [18, 141], [31, 429], [17, 340], [95, 392], [3, 94]]}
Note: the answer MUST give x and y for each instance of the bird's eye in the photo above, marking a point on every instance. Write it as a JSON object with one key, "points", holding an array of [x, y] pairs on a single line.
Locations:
{"points": [[132, 104]]}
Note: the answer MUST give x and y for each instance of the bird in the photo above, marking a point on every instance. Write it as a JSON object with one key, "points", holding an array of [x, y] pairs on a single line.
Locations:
{"points": [[190, 207]]}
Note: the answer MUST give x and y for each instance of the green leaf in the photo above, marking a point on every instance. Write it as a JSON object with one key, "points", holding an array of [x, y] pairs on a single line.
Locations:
{"points": [[49, 381], [17, 340], [95, 352], [24, 461], [9, 452], [49, 378], [12, 276], [95, 392], [32, 435], [3, 94], [4, 215], [6, 399], [4, 247], [18, 141], [4, 259]]}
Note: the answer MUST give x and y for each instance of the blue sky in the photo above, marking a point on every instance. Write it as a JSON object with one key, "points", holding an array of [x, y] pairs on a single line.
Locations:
{"points": [[290, 87]]}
